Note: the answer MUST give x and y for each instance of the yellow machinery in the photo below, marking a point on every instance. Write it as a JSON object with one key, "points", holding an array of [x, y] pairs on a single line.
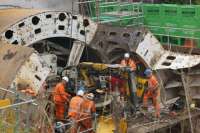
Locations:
{"points": [[89, 73], [96, 78], [141, 85], [7, 117], [106, 125], [4, 103]]}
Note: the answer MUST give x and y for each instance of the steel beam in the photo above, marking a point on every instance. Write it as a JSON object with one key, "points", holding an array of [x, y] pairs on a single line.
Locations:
{"points": [[76, 53]]}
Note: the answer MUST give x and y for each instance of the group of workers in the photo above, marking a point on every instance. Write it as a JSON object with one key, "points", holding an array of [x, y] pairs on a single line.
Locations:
{"points": [[152, 91], [82, 107]]}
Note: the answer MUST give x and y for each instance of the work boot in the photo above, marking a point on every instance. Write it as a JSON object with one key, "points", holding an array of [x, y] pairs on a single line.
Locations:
{"points": [[145, 108], [156, 117]]}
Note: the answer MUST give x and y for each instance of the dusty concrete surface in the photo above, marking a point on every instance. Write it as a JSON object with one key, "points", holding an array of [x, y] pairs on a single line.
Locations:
{"points": [[11, 16], [41, 4], [11, 59]]}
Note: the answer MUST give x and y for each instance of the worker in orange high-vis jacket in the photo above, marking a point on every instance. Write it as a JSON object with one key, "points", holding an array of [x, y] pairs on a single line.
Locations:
{"points": [[153, 91], [131, 67], [88, 112], [127, 61], [61, 98], [74, 112]]}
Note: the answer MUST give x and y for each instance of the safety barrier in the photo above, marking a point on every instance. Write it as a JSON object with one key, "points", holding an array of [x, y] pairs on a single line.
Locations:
{"points": [[115, 12], [175, 21], [69, 125], [14, 118], [18, 115], [171, 23]]}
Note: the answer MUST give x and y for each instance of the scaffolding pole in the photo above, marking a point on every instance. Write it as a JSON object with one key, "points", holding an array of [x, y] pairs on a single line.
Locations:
{"points": [[186, 87]]}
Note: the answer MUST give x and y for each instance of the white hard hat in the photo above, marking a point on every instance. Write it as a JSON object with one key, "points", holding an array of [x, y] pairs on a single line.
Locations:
{"points": [[90, 96], [66, 79], [192, 105], [80, 93], [126, 55]]}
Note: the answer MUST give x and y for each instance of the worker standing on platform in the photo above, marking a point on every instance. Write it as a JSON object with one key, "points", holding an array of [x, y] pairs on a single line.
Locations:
{"points": [[153, 91], [127, 61], [131, 68], [88, 112], [74, 112], [61, 98]]}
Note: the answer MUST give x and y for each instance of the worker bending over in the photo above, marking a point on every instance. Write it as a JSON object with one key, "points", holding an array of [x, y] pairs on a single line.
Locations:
{"points": [[88, 112], [74, 112], [61, 98], [152, 91]]}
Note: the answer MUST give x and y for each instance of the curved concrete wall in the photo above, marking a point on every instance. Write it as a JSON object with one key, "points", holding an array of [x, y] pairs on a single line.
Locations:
{"points": [[65, 5], [26, 27]]}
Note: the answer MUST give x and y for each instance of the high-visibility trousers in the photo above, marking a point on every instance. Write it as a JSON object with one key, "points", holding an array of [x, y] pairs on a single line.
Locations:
{"points": [[60, 110], [75, 127], [156, 101], [86, 124]]}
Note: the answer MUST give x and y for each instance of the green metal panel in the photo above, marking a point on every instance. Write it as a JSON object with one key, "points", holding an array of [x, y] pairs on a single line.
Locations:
{"points": [[173, 20], [150, 13], [170, 21], [118, 13]]}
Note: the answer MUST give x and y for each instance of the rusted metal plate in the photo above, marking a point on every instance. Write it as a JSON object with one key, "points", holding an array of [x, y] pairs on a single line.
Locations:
{"points": [[11, 59]]}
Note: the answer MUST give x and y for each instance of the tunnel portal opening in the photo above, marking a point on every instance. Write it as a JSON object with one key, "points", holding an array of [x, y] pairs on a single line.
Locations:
{"points": [[61, 47]]}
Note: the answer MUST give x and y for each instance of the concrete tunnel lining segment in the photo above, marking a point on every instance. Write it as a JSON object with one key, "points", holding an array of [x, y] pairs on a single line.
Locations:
{"points": [[28, 26], [33, 26], [46, 24]]}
